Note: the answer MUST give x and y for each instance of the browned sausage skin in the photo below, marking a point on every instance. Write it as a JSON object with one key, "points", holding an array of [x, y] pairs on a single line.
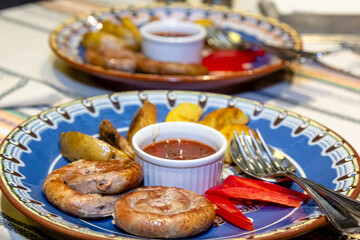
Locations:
{"points": [[164, 212], [123, 59], [91, 180]]}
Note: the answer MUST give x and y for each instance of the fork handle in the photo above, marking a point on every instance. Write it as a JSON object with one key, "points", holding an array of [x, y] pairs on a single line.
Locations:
{"points": [[350, 204], [336, 213]]}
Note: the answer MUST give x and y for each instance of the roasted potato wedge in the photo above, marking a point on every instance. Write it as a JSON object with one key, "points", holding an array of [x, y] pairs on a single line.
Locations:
{"points": [[222, 117], [228, 132], [105, 40], [91, 40], [144, 116], [109, 134], [113, 36], [205, 22], [76, 145], [126, 21], [111, 28], [187, 112]]}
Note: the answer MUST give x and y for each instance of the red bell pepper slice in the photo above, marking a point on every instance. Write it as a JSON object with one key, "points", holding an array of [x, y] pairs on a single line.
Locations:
{"points": [[248, 193], [236, 181], [230, 60], [230, 212]]}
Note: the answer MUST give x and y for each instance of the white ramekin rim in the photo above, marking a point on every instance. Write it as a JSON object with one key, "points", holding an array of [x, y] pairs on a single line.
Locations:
{"points": [[181, 163], [145, 31]]}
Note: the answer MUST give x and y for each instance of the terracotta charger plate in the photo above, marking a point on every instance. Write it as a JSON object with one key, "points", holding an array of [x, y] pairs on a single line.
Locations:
{"points": [[31, 151], [65, 42]]}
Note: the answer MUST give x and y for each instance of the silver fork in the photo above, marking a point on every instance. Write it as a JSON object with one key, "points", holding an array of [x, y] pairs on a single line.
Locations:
{"points": [[257, 159], [220, 38]]}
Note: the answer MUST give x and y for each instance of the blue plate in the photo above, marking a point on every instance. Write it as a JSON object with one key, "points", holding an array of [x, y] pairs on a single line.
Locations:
{"points": [[31, 152]]}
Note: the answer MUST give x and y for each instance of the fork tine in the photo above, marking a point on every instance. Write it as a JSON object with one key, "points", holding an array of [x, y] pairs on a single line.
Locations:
{"points": [[223, 39], [263, 158], [250, 149], [220, 39], [244, 155], [269, 153], [213, 38], [255, 158]]}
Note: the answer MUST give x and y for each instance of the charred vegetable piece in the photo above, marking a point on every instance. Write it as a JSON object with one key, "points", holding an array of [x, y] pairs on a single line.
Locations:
{"points": [[144, 116], [109, 134], [76, 145], [187, 112]]}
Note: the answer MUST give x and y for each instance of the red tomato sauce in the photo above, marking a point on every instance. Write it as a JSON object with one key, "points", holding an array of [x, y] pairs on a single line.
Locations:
{"points": [[179, 149]]}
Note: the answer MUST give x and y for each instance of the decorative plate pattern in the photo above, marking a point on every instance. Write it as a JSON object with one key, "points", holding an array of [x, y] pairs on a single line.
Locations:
{"points": [[65, 41], [31, 151]]}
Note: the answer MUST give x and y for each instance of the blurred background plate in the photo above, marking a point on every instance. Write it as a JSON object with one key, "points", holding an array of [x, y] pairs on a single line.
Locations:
{"points": [[65, 41]]}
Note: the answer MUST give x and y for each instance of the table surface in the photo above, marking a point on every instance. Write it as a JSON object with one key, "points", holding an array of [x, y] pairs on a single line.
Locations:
{"points": [[312, 90]]}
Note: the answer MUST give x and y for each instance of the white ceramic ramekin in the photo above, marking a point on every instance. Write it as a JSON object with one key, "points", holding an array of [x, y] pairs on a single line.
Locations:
{"points": [[173, 49], [197, 175]]}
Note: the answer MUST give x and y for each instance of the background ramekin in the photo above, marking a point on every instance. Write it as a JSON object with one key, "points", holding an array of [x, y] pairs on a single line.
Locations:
{"points": [[197, 175], [173, 49]]}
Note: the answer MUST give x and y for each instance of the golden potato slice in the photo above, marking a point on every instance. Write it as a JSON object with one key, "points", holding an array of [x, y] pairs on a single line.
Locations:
{"points": [[125, 30], [91, 40], [187, 112], [205, 22], [144, 116], [126, 21], [104, 40], [225, 116], [114, 29], [76, 145], [109, 134], [228, 132], [113, 36]]}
